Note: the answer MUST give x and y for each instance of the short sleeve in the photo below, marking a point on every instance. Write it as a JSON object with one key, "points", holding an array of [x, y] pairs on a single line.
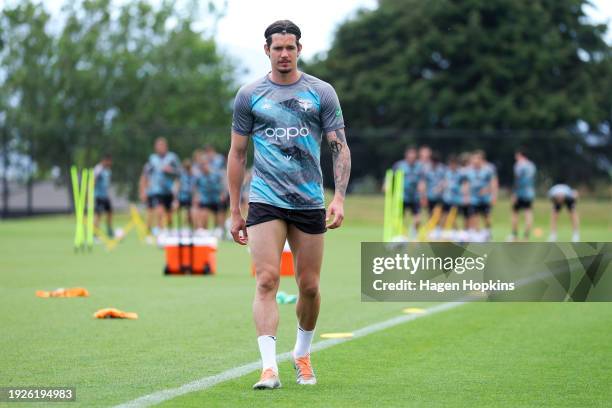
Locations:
{"points": [[493, 170], [146, 169], [98, 170], [331, 113], [242, 119]]}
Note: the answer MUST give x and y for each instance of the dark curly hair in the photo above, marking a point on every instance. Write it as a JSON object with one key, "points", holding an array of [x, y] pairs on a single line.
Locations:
{"points": [[282, 27]]}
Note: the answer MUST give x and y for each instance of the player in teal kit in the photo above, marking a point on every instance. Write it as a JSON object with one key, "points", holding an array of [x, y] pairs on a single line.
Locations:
{"points": [[483, 186], [286, 113], [523, 193], [453, 195], [414, 186], [208, 195], [434, 175], [102, 176], [216, 162], [185, 194], [157, 182]]}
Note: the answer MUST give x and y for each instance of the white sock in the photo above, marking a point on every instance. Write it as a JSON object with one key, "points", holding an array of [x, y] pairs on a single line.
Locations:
{"points": [[267, 349], [302, 342]]}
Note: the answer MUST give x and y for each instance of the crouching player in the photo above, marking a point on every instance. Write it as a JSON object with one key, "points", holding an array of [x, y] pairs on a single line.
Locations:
{"points": [[563, 195]]}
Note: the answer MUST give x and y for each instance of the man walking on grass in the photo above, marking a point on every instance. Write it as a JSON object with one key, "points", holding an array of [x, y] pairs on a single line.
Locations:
{"points": [[286, 113]]}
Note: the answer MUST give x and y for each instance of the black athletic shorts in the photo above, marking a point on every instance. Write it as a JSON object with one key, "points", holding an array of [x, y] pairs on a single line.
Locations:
{"points": [[521, 203], [466, 210], [214, 207], [413, 206], [308, 221], [446, 207], [569, 202], [160, 199], [224, 204], [103, 205], [483, 208], [185, 203]]}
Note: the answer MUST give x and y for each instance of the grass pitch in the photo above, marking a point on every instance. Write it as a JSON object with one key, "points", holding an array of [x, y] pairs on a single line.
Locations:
{"points": [[513, 354]]}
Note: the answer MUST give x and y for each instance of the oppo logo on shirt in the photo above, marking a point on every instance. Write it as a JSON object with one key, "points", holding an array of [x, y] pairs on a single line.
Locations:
{"points": [[290, 132]]}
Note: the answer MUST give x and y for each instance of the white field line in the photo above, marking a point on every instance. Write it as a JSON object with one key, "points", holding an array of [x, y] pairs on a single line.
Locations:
{"points": [[207, 382]]}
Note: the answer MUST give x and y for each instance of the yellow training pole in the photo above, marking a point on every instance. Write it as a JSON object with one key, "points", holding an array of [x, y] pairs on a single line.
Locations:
{"points": [[90, 208], [398, 191], [450, 218], [388, 214], [431, 223]]}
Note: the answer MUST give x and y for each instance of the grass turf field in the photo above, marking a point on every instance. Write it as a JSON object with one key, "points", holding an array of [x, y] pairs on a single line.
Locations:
{"points": [[520, 354]]}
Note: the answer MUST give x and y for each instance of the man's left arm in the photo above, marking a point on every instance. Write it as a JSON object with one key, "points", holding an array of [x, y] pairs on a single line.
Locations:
{"points": [[342, 170]]}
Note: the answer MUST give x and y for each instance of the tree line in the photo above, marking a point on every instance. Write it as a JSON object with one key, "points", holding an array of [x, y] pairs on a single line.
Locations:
{"points": [[456, 75], [100, 78], [493, 74]]}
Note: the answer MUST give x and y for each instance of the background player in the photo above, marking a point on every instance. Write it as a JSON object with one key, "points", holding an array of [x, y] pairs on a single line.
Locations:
{"points": [[452, 195], [216, 162], [483, 186], [102, 175], [185, 194], [208, 192], [523, 193], [156, 184], [465, 209], [434, 176], [414, 187], [563, 195]]}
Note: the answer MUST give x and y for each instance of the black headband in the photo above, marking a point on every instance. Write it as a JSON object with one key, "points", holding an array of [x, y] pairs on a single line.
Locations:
{"points": [[283, 30]]}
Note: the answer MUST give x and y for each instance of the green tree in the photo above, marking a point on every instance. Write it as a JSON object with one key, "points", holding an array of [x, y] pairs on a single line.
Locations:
{"points": [[460, 68], [104, 78]]}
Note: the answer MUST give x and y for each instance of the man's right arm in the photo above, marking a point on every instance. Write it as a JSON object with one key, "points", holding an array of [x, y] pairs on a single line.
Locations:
{"points": [[236, 163]]}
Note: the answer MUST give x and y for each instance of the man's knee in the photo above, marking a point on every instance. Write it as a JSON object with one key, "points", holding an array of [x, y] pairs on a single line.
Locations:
{"points": [[308, 287], [267, 280]]}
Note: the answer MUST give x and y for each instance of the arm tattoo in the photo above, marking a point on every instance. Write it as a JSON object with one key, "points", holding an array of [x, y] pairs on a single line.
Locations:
{"points": [[341, 159], [335, 147]]}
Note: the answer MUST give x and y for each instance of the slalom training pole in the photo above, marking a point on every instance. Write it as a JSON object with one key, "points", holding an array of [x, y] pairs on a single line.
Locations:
{"points": [[398, 192], [90, 208], [75, 195], [431, 223], [79, 195], [388, 214], [450, 218], [82, 198]]}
